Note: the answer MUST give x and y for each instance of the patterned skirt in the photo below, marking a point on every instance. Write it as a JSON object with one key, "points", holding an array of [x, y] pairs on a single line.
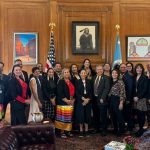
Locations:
{"points": [[48, 110], [141, 104], [64, 117]]}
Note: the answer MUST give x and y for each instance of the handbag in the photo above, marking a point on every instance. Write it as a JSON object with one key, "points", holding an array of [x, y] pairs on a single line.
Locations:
{"points": [[37, 117]]}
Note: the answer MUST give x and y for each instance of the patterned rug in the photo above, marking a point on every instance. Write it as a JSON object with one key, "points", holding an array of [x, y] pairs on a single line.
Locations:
{"points": [[94, 142]]}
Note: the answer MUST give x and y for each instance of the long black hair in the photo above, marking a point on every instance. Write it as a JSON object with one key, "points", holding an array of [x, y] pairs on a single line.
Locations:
{"points": [[141, 66], [71, 68], [12, 72], [132, 71], [83, 67]]}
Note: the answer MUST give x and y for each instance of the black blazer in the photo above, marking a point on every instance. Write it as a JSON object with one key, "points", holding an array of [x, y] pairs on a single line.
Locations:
{"points": [[56, 77], [74, 79], [48, 88], [103, 88], [129, 86], [80, 89], [148, 91], [62, 92], [15, 90], [25, 79], [141, 87], [5, 93], [25, 76]]}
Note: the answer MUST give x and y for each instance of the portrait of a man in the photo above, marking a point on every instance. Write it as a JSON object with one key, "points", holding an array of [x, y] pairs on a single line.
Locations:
{"points": [[86, 42], [85, 38]]}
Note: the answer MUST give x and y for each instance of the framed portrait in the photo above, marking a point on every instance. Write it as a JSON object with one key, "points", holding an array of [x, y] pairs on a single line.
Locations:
{"points": [[138, 48], [26, 47], [85, 37]]}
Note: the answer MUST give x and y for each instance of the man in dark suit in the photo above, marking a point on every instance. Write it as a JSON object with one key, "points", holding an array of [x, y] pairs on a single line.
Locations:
{"points": [[101, 86], [4, 99], [58, 70], [129, 86], [42, 73]]}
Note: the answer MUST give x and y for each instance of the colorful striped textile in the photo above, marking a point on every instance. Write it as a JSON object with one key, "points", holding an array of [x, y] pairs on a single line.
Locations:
{"points": [[64, 117], [1, 112]]}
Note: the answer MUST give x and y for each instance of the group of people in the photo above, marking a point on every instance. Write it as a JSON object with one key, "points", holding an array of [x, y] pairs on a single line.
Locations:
{"points": [[82, 97]]}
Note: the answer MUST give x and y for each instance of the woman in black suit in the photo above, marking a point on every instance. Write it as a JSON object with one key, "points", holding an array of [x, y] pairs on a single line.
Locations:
{"points": [[87, 66], [83, 102], [49, 94], [140, 94], [18, 95], [65, 103], [74, 73]]}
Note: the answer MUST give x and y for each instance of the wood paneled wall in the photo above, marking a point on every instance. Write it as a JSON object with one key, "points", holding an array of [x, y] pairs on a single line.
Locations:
{"points": [[23, 16], [35, 15]]}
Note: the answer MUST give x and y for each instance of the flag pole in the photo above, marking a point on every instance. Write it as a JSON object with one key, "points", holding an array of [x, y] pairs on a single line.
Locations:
{"points": [[117, 27], [51, 54], [117, 53], [52, 25]]}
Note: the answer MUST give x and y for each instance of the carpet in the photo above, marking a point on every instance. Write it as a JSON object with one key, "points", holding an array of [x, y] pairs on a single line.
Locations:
{"points": [[94, 142]]}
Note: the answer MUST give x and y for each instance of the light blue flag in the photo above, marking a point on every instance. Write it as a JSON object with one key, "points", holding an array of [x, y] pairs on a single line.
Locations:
{"points": [[117, 54]]}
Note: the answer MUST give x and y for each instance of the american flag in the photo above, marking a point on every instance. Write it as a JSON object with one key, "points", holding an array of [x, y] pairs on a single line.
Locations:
{"points": [[50, 62]]}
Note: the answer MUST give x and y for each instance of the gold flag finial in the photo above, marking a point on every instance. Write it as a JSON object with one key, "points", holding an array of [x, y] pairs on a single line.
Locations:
{"points": [[117, 27], [52, 25]]}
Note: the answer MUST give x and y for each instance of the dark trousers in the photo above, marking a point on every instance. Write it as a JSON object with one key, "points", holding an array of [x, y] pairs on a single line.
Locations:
{"points": [[96, 114], [116, 114], [127, 114], [4, 110], [18, 117], [148, 117], [103, 116], [141, 118]]}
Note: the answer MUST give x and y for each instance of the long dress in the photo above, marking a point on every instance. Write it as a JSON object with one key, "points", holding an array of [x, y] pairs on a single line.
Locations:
{"points": [[34, 108], [49, 92], [83, 113], [64, 112]]}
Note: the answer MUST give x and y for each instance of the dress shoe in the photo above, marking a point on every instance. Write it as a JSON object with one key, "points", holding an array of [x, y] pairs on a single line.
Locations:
{"points": [[81, 134], [69, 134], [139, 132], [87, 134], [120, 133], [103, 133], [95, 131], [63, 136], [115, 132]]}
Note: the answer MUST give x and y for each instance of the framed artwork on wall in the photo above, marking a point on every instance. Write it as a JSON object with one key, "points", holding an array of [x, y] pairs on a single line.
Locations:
{"points": [[26, 47], [138, 48], [85, 37]]}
